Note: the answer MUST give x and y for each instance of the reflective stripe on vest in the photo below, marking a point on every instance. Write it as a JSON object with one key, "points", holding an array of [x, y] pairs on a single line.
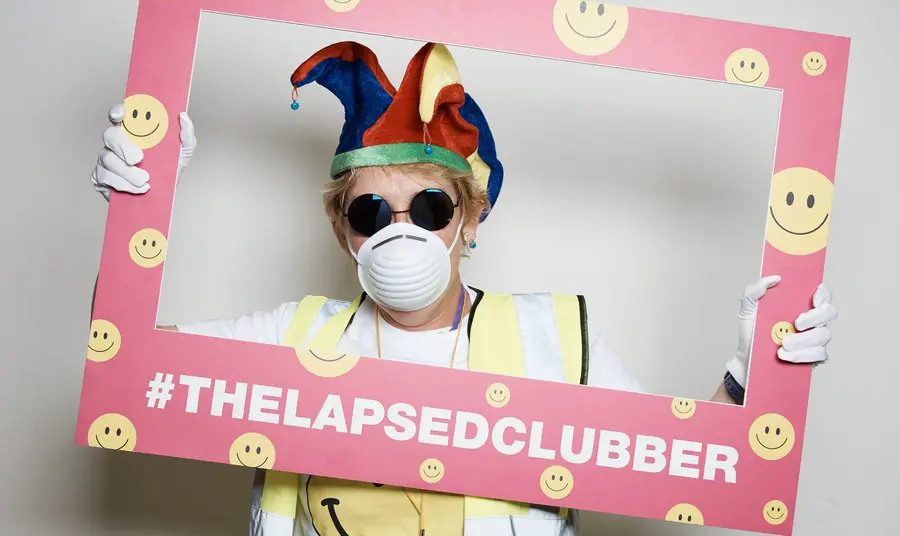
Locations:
{"points": [[539, 336]]}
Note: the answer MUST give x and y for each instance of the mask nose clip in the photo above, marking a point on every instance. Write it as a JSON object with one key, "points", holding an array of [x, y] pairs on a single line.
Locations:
{"points": [[399, 237]]}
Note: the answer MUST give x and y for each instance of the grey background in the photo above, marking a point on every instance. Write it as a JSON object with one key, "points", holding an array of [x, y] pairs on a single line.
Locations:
{"points": [[672, 194]]}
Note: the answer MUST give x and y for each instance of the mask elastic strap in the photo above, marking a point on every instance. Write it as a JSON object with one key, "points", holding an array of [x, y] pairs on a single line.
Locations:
{"points": [[455, 238], [452, 244]]}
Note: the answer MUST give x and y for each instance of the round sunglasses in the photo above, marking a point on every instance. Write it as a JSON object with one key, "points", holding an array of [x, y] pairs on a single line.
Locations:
{"points": [[430, 209]]}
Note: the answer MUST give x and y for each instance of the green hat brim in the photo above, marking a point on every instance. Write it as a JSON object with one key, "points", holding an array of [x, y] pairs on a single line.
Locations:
{"points": [[397, 153]]}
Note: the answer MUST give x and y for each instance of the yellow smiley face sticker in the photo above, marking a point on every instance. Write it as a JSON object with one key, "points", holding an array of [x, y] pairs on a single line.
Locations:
{"points": [[683, 408], [557, 482], [431, 471], [252, 450], [685, 513], [112, 432], [771, 436], [781, 330], [326, 363], [497, 395], [146, 120], [589, 28], [747, 66], [799, 211], [104, 341], [775, 512], [814, 63], [147, 248], [341, 6]]}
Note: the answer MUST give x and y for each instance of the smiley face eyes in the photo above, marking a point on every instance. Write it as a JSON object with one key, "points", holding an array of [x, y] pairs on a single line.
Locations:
{"points": [[600, 9], [134, 115], [681, 518], [498, 391], [775, 509], [777, 431], [752, 64], [107, 430], [152, 243], [810, 200], [553, 477], [97, 334], [247, 449]]}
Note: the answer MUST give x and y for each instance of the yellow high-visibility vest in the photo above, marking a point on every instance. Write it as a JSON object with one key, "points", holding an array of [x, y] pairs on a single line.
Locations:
{"points": [[542, 336]]}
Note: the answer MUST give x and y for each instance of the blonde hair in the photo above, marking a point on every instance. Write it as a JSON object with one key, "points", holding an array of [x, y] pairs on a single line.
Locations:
{"points": [[473, 199]]}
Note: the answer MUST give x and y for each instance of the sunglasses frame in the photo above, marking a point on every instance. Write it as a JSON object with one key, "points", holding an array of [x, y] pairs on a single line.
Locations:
{"points": [[455, 205]]}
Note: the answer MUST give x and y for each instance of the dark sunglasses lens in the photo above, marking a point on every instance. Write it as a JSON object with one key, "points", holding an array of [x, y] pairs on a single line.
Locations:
{"points": [[368, 214], [431, 209]]}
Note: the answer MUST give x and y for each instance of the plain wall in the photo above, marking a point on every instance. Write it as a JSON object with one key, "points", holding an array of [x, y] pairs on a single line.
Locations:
{"points": [[669, 188]]}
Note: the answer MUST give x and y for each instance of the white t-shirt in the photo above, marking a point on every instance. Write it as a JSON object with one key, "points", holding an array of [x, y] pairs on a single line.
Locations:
{"points": [[423, 347]]}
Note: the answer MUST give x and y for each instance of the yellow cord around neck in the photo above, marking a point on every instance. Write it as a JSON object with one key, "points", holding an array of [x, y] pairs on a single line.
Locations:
{"points": [[455, 342], [420, 508]]}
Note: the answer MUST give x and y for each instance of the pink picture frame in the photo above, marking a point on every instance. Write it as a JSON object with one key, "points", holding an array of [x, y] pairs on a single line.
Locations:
{"points": [[646, 459]]}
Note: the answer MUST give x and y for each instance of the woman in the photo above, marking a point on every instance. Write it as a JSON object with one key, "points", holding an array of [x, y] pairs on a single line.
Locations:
{"points": [[414, 175]]}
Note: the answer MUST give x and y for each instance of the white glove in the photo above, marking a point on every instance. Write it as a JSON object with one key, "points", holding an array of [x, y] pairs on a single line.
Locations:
{"points": [[808, 345], [116, 165]]}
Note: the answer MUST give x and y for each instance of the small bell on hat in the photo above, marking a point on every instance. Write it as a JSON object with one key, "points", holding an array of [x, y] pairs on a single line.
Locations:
{"points": [[430, 118]]}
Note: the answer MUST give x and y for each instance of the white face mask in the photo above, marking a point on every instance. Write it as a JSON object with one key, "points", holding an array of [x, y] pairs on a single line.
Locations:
{"points": [[404, 267]]}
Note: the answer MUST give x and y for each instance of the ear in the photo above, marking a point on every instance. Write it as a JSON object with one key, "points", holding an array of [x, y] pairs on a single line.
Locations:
{"points": [[470, 227]]}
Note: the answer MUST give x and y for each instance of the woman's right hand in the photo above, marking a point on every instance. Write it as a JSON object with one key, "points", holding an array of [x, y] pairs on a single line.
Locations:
{"points": [[116, 167]]}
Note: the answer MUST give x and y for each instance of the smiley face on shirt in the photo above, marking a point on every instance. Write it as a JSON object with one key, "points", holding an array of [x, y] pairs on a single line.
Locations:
{"points": [[343, 507]]}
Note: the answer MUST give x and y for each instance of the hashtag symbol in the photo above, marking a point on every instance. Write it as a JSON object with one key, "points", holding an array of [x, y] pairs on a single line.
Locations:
{"points": [[160, 391]]}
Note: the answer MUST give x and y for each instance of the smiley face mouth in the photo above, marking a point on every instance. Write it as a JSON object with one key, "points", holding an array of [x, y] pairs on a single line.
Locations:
{"points": [[745, 81], [551, 488], [140, 135], [491, 396], [328, 360], [684, 412], [238, 456], [808, 66], [785, 229], [589, 36], [101, 351], [141, 255], [775, 518], [431, 476], [768, 447], [780, 339], [97, 439], [330, 503]]}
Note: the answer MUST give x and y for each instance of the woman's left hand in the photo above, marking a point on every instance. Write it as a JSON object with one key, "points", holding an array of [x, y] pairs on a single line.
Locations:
{"points": [[808, 345]]}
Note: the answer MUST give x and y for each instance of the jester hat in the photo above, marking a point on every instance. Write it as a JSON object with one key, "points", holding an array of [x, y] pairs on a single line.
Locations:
{"points": [[429, 119]]}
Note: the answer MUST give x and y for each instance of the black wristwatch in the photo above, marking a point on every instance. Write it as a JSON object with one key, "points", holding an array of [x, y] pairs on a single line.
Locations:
{"points": [[734, 389]]}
